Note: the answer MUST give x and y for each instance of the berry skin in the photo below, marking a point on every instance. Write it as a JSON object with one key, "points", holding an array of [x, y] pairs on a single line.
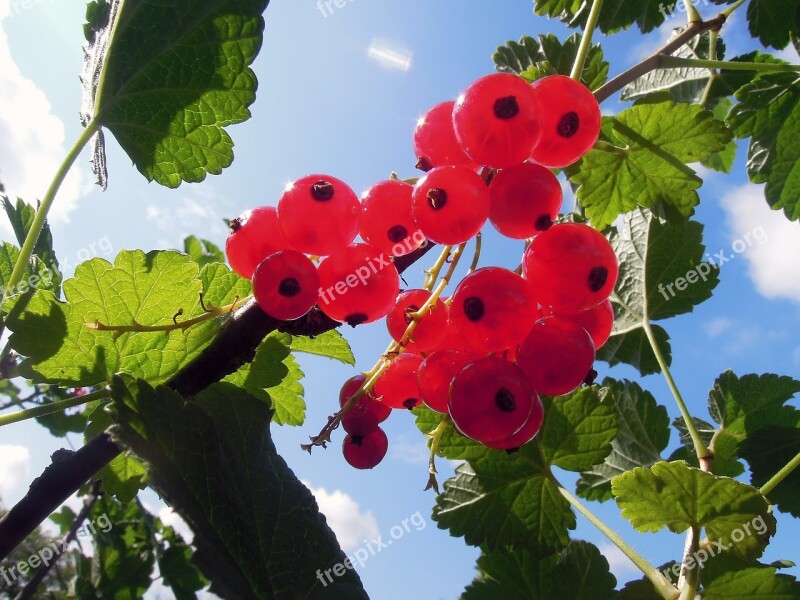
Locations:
{"points": [[450, 204], [597, 320], [365, 415], [493, 308], [570, 126], [490, 399], [254, 235], [435, 143], [387, 221], [572, 267], [497, 120], [286, 285], [556, 356], [358, 284], [525, 200], [526, 433], [319, 214], [365, 451], [397, 386], [437, 372], [431, 328]]}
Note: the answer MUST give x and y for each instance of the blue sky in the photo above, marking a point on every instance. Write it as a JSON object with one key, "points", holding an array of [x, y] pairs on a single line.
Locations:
{"points": [[328, 104]]}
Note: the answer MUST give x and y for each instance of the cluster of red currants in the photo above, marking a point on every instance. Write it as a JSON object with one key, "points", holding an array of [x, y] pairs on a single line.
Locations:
{"points": [[484, 355]]}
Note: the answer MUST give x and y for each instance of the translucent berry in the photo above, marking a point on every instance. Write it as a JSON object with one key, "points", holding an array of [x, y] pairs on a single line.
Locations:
{"points": [[435, 143], [365, 451], [358, 284], [437, 372], [497, 119], [429, 330], [526, 433], [366, 413], [397, 386], [556, 356], [253, 236], [319, 214], [571, 124], [490, 399], [450, 204], [387, 221], [525, 200], [572, 267], [597, 320], [493, 308], [286, 285]]}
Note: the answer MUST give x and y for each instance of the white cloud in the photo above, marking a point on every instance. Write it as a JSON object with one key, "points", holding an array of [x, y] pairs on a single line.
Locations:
{"points": [[15, 463], [412, 450], [717, 326], [174, 520], [620, 565], [796, 356], [767, 240], [349, 523], [196, 212]]}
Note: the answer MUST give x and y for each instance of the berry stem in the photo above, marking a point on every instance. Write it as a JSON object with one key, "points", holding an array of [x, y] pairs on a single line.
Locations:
{"points": [[432, 274], [678, 62], [712, 55], [656, 577], [476, 257], [586, 40], [780, 475], [53, 407], [436, 439]]}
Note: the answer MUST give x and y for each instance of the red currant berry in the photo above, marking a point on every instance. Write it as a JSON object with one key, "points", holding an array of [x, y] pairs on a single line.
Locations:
{"points": [[570, 127], [431, 327], [497, 119], [493, 308], [397, 386], [387, 221], [253, 236], [525, 200], [365, 451], [490, 399], [597, 320], [437, 372], [526, 433], [572, 267], [358, 284], [435, 143], [366, 413], [450, 204], [556, 356], [319, 214], [286, 285]]}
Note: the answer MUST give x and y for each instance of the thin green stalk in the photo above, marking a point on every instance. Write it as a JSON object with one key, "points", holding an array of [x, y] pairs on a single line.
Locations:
{"points": [[678, 62], [586, 41], [690, 578], [691, 12], [732, 8], [656, 577], [713, 35], [780, 476], [44, 208], [53, 407]]}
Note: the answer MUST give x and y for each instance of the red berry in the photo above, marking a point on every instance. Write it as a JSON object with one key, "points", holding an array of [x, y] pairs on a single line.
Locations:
{"points": [[435, 143], [450, 204], [572, 267], [286, 285], [366, 413], [493, 308], [497, 120], [525, 200], [387, 221], [365, 451], [437, 372], [556, 356], [431, 328], [397, 386], [527, 432], [570, 126], [597, 320], [319, 214], [358, 284], [490, 399], [253, 236]]}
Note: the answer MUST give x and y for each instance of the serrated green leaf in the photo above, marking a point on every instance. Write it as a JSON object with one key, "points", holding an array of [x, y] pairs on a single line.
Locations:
{"points": [[726, 577], [678, 497], [722, 161], [21, 216], [774, 21], [202, 251], [63, 518], [768, 112], [633, 348], [643, 436], [616, 14], [123, 477], [330, 344], [176, 568], [178, 74], [766, 451]]}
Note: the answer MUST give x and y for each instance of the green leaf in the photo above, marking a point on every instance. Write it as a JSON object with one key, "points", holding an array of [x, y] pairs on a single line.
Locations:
{"points": [[643, 435], [616, 14], [633, 348], [123, 477], [21, 217], [766, 451], [258, 531], [725, 454], [63, 518], [578, 572], [726, 577], [774, 21], [642, 160], [722, 161], [202, 251], [768, 112], [166, 77], [330, 344], [452, 444], [176, 568], [679, 497]]}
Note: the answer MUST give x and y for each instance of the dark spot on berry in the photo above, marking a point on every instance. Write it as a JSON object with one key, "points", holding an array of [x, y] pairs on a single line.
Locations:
{"points": [[569, 125], [543, 223], [410, 311], [398, 233], [289, 287], [322, 191], [437, 198], [410, 403], [235, 225], [473, 308], [506, 108], [597, 278], [356, 439], [356, 319], [590, 377], [424, 165], [490, 176], [505, 400]]}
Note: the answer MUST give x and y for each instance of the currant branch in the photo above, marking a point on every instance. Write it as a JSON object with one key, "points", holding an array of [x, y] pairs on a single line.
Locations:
{"points": [[793, 464]]}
